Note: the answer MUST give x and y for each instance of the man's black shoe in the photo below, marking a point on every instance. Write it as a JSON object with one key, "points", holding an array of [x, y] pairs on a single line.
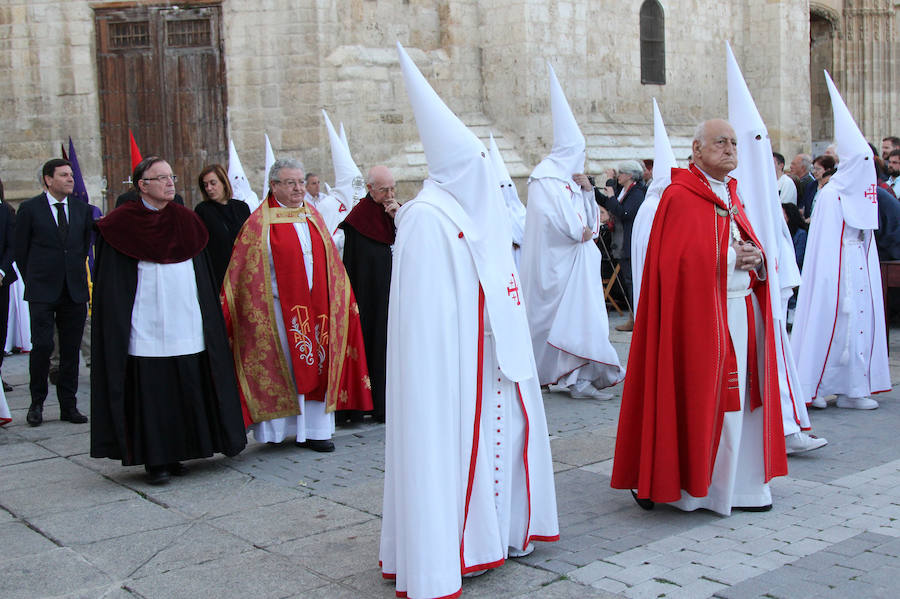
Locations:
{"points": [[73, 416], [752, 508], [35, 415], [157, 475], [320, 445], [646, 504], [177, 469], [7, 387]]}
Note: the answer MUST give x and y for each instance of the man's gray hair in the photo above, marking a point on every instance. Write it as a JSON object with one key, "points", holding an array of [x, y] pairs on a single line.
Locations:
{"points": [[700, 133], [632, 168], [282, 163], [806, 161]]}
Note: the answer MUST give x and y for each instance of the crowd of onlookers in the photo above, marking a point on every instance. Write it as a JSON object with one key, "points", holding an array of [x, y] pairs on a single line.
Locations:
{"points": [[799, 181]]}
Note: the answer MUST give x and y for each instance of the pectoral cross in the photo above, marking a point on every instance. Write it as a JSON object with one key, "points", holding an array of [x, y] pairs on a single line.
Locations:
{"points": [[871, 193], [513, 290]]}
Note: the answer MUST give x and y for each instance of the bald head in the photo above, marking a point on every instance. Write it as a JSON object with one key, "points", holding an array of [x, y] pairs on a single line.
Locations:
{"points": [[714, 149], [380, 184]]}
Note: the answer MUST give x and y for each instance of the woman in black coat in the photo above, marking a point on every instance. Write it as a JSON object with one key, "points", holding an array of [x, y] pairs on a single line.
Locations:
{"points": [[223, 216]]}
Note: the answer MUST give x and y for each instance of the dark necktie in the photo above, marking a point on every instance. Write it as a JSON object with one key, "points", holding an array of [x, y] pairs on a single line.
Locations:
{"points": [[62, 224]]}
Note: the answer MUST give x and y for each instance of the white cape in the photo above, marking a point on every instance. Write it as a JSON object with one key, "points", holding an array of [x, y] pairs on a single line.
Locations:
{"points": [[563, 288], [18, 327], [468, 470], [828, 303], [333, 212]]}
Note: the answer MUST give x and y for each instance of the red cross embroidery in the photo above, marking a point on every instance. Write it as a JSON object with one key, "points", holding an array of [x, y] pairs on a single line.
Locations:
{"points": [[513, 290], [341, 208], [871, 193], [568, 187]]}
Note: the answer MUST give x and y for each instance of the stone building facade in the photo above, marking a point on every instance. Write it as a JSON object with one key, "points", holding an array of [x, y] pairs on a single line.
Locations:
{"points": [[270, 66]]}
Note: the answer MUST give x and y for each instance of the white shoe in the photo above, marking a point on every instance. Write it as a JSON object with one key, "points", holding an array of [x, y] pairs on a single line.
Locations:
{"points": [[856, 403], [585, 390], [474, 574], [819, 403], [800, 442], [513, 552]]}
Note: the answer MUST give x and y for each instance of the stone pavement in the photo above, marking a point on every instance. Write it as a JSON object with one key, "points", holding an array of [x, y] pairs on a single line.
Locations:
{"points": [[286, 522]]}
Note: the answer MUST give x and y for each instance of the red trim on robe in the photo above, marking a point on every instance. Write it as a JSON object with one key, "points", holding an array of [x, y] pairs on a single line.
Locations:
{"points": [[837, 304], [525, 461], [476, 426]]}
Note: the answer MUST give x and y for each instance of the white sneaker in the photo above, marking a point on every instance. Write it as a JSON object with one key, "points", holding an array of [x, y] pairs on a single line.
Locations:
{"points": [[856, 403], [589, 393], [513, 552], [800, 442], [819, 403]]}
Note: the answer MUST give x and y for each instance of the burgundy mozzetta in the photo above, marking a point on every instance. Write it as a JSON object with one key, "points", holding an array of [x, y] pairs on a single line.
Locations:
{"points": [[369, 219], [682, 370], [173, 234]]}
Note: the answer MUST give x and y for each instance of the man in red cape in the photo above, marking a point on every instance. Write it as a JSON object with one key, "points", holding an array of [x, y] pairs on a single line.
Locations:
{"points": [[700, 423], [293, 320]]}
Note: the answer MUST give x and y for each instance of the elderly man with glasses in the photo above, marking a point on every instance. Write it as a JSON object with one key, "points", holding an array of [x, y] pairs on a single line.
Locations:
{"points": [[162, 381], [293, 320]]}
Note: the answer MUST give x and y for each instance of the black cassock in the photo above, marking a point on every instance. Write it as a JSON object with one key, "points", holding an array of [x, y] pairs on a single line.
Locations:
{"points": [[224, 222], [368, 264], [161, 410]]}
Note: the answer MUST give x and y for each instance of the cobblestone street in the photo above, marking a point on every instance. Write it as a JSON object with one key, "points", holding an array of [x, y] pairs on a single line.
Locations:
{"points": [[279, 521]]}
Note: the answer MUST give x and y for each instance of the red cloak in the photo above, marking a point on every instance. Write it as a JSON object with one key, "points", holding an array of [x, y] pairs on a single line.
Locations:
{"points": [[681, 360]]}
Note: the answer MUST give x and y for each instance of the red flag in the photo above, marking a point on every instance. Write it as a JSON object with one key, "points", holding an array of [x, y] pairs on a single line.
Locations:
{"points": [[135, 152], [63, 148]]}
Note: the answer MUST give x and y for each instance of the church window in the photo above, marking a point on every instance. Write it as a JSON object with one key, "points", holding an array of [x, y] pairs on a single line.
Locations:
{"points": [[653, 43]]}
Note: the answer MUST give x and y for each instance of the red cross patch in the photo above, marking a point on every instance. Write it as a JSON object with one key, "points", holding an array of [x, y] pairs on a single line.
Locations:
{"points": [[513, 289], [871, 193]]}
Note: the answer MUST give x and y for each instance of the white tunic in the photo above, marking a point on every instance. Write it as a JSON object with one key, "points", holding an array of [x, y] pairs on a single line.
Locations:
{"points": [[18, 327], [738, 477], [312, 422], [467, 474], [333, 213], [839, 337], [166, 318], [563, 289]]}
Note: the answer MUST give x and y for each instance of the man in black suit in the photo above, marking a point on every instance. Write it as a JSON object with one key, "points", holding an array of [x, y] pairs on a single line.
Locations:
{"points": [[7, 273], [53, 236]]}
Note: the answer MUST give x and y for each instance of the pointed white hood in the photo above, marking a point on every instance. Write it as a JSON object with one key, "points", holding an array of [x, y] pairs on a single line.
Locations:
{"points": [[461, 175], [663, 163], [568, 152], [343, 135], [757, 186], [514, 206], [270, 160], [239, 183], [855, 179], [663, 157], [345, 170]]}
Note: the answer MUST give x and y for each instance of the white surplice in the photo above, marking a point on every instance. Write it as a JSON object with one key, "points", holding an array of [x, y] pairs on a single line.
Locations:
{"points": [[312, 422], [839, 337], [563, 287], [468, 471], [18, 327]]}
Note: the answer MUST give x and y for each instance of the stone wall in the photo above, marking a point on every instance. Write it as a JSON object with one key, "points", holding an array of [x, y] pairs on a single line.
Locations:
{"points": [[287, 60]]}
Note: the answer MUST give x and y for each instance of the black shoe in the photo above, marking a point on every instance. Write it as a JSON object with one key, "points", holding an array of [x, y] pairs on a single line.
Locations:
{"points": [[73, 416], [35, 415], [752, 508], [7, 387], [177, 469], [157, 475], [320, 445], [646, 504]]}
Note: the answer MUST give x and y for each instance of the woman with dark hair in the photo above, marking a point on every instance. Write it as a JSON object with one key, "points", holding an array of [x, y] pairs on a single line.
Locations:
{"points": [[223, 216]]}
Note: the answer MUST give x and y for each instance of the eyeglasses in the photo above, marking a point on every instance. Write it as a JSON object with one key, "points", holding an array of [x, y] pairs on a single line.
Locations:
{"points": [[162, 178], [292, 182]]}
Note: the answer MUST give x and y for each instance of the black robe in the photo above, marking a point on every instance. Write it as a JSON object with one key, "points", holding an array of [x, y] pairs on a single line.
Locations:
{"points": [[209, 416], [368, 264], [224, 222]]}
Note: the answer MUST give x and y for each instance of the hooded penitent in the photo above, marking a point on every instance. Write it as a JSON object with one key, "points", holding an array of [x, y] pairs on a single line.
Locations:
{"points": [[568, 152], [663, 163], [458, 164], [270, 160], [758, 190], [514, 206], [347, 176], [855, 179], [239, 183]]}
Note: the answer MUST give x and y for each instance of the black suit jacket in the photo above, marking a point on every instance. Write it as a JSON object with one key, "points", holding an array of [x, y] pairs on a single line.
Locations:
{"points": [[7, 238], [46, 262]]}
